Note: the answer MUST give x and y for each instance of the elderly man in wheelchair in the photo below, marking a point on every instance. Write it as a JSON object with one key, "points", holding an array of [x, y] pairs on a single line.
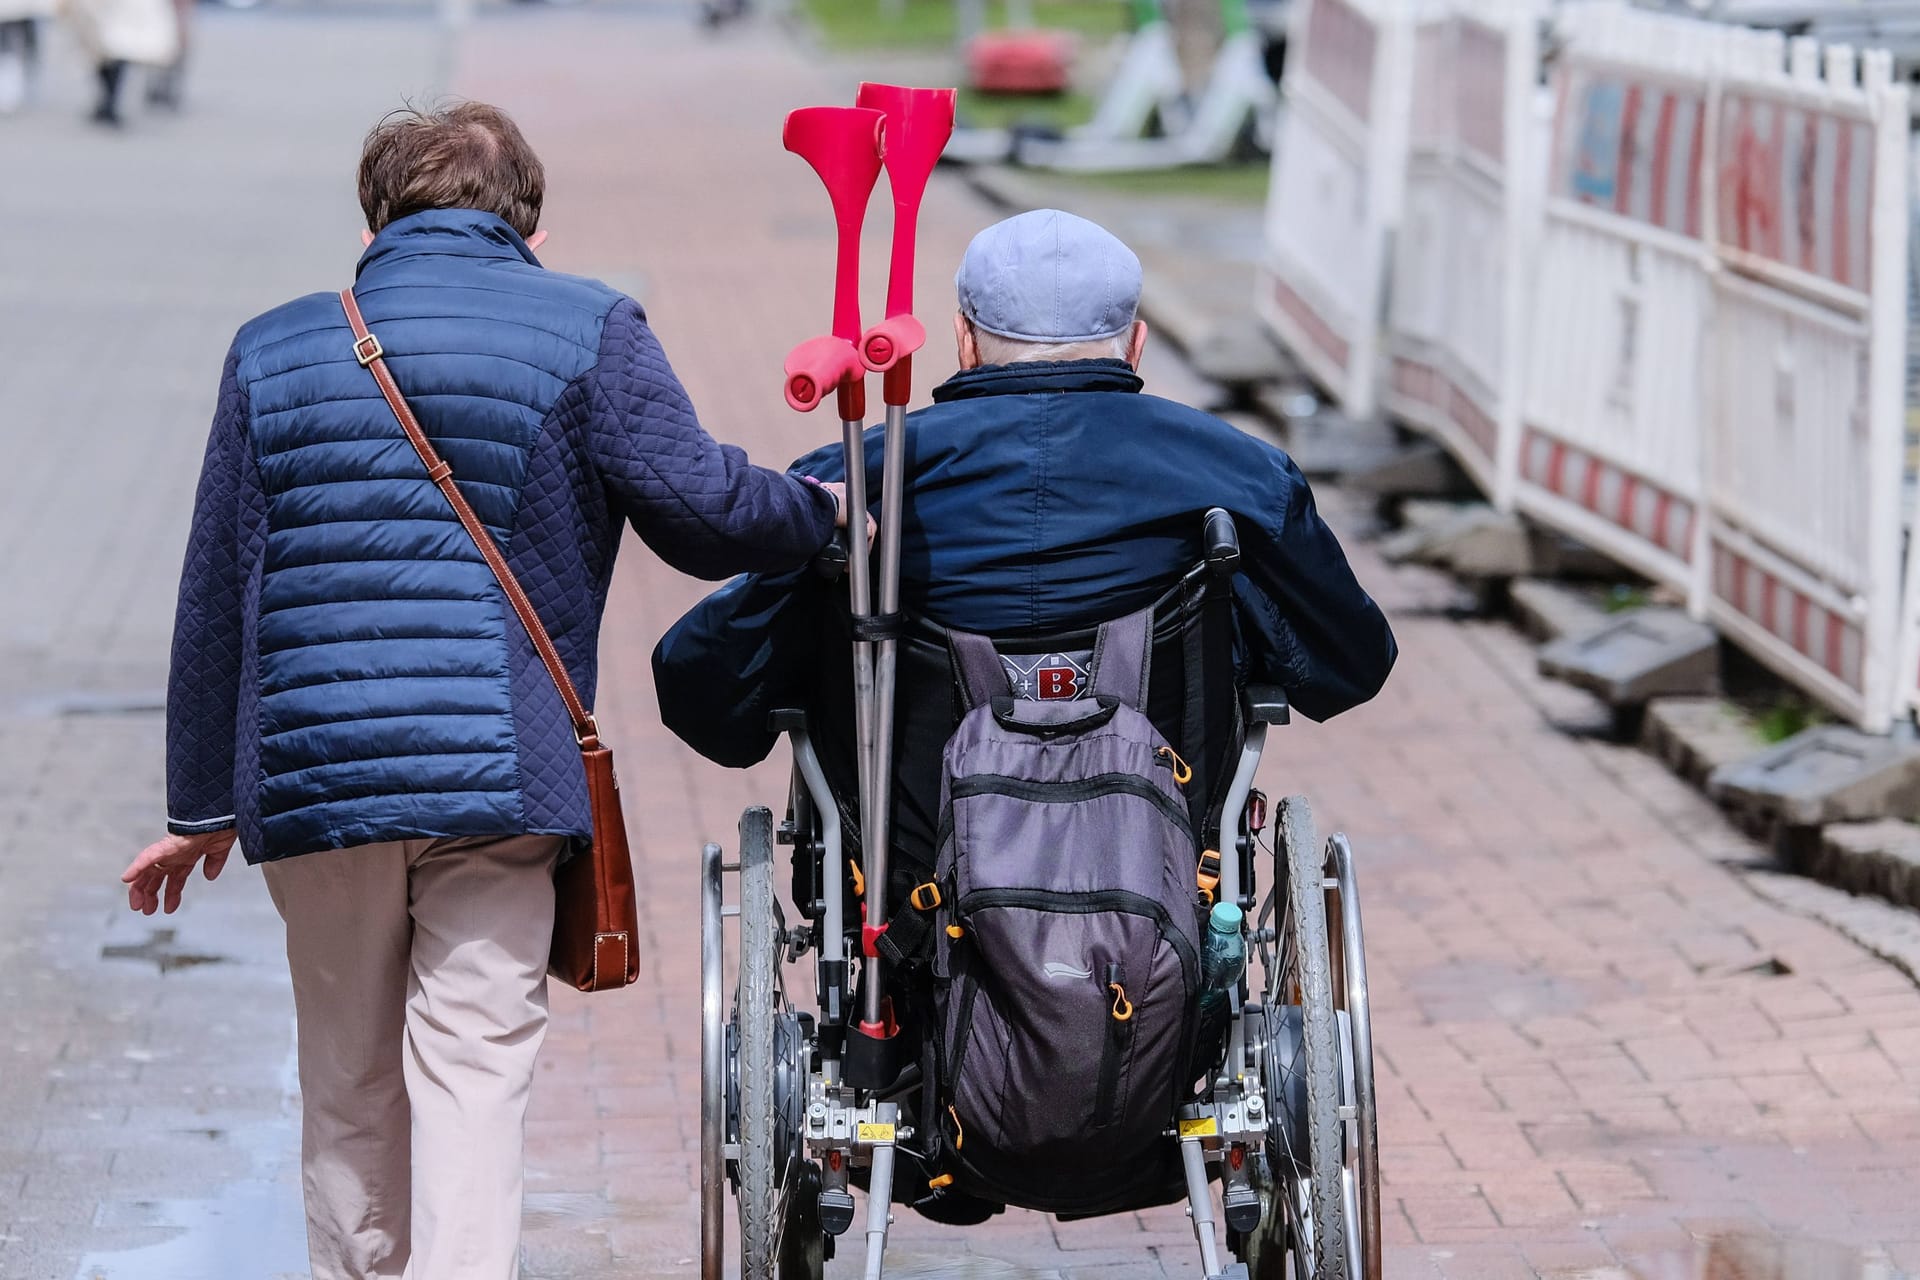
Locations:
{"points": [[1039, 993]]}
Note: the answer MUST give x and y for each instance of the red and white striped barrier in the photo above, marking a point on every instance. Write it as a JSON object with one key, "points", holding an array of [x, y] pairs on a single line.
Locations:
{"points": [[1674, 326], [1804, 436], [1619, 310], [1458, 296], [1335, 194]]}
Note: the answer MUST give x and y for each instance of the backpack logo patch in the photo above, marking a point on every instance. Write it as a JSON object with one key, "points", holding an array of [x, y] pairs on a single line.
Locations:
{"points": [[1047, 677], [1057, 969]]}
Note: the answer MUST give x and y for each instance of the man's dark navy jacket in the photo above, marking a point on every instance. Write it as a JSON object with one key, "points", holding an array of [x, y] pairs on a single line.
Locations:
{"points": [[1040, 498], [345, 668]]}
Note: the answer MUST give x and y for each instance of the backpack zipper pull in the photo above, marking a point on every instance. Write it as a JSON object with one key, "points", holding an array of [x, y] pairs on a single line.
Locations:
{"points": [[1182, 771], [1122, 1007]]}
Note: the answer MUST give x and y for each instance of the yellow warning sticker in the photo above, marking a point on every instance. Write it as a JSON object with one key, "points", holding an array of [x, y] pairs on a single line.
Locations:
{"points": [[1203, 1127], [876, 1133]]}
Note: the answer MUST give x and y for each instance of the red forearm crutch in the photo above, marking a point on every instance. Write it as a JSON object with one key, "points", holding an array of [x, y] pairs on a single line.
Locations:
{"points": [[919, 122], [845, 145]]}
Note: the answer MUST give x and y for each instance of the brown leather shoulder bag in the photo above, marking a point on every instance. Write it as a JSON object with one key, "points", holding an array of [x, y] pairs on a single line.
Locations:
{"points": [[596, 923]]}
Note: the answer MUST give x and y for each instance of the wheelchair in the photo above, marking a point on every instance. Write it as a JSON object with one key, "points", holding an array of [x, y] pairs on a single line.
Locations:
{"points": [[1280, 1112]]}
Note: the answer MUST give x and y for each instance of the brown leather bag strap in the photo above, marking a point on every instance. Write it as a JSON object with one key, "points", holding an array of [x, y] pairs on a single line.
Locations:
{"points": [[367, 350]]}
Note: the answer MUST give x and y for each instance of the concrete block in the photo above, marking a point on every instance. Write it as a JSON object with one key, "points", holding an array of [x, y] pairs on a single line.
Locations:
{"points": [[1695, 736], [1832, 773], [1547, 610], [1475, 541], [1323, 441], [1881, 858], [1637, 655], [1235, 353], [1423, 470]]}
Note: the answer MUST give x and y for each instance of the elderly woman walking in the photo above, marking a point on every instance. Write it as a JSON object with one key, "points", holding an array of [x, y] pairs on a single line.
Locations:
{"points": [[120, 33], [353, 697]]}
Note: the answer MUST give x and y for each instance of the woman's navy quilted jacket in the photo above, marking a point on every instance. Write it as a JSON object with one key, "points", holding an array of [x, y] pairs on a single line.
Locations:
{"points": [[345, 669]]}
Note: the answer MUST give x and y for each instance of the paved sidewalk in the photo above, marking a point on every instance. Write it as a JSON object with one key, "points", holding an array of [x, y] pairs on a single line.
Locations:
{"points": [[1599, 1050]]}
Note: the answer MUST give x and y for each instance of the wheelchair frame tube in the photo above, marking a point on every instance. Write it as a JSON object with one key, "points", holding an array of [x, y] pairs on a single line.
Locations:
{"points": [[833, 938], [1200, 1204], [1233, 810], [712, 1068], [877, 819], [1235, 806]]}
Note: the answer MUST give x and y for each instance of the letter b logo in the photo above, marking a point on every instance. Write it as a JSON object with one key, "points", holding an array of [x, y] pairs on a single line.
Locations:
{"points": [[1057, 683]]}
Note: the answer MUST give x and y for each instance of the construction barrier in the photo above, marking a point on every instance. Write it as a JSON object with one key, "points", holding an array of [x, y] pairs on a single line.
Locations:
{"points": [[1805, 433], [1609, 445], [1458, 295], [1673, 326], [1334, 200]]}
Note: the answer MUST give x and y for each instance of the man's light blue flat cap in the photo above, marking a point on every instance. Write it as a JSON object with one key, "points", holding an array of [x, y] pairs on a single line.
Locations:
{"points": [[1047, 276]]}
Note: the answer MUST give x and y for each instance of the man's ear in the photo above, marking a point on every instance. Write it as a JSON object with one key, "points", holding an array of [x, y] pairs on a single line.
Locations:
{"points": [[537, 239], [968, 350], [1137, 343], [366, 238]]}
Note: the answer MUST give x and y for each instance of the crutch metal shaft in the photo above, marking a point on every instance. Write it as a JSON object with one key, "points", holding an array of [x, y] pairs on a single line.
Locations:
{"points": [[866, 705]]}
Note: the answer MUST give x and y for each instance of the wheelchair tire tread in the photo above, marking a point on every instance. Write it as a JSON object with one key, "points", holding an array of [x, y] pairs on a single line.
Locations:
{"points": [[756, 1008], [1321, 1036]]}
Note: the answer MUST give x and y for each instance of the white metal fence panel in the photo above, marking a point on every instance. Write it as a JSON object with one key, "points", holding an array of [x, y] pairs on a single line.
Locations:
{"points": [[1621, 300], [1334, 197], [1457, 303], [1805, 441]]}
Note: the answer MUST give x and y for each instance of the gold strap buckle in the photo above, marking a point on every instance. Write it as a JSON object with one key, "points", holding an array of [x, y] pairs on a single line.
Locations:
{"points": [[366, 350], [920, 899], [1207, 875]]}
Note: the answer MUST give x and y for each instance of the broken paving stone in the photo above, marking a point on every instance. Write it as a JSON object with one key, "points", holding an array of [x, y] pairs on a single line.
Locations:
{"points": [[1832, 773], [1475, 541], [1695, 736], [1631, 657], [1881, 858], [1321, 440], [1422, 470], [1548, 610]]}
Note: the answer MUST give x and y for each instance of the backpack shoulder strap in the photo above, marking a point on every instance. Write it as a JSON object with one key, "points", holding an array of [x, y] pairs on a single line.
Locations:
{"points": [[1123, 658], [977, 666]]}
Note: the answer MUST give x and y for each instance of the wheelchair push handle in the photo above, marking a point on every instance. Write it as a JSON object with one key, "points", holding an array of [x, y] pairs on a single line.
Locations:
{"points": [[1221, 541]]}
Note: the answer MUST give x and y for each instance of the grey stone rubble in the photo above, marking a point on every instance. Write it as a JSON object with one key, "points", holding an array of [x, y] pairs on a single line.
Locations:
{"points": [[1832, 773], [1547, 610], [1695, 736], [1629, 658]]}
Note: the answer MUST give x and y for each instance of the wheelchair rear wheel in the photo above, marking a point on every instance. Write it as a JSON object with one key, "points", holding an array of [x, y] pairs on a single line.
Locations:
{"points": [[1309, 1226], [765, 1086]]}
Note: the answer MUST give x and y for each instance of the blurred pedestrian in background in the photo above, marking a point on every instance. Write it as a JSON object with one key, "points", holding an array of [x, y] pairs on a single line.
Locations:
{"points": [[353, 698], [20, 50], [118, 34], [166, 87]]}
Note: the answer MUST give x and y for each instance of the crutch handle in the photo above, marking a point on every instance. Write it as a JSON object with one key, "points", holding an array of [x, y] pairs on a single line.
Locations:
{"points": [[891, 341], [844, 146], [818, 366], [919, 123]]}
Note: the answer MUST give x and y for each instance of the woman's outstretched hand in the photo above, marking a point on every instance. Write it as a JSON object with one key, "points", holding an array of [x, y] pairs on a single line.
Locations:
{"points": [[167, 862]]}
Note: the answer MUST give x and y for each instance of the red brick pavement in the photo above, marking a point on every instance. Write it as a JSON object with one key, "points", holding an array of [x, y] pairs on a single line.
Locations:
{"points": [[1597, 1047]]}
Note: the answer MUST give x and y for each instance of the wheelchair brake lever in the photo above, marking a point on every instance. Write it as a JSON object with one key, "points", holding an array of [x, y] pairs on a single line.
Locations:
{"points": [[830, 561]]}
